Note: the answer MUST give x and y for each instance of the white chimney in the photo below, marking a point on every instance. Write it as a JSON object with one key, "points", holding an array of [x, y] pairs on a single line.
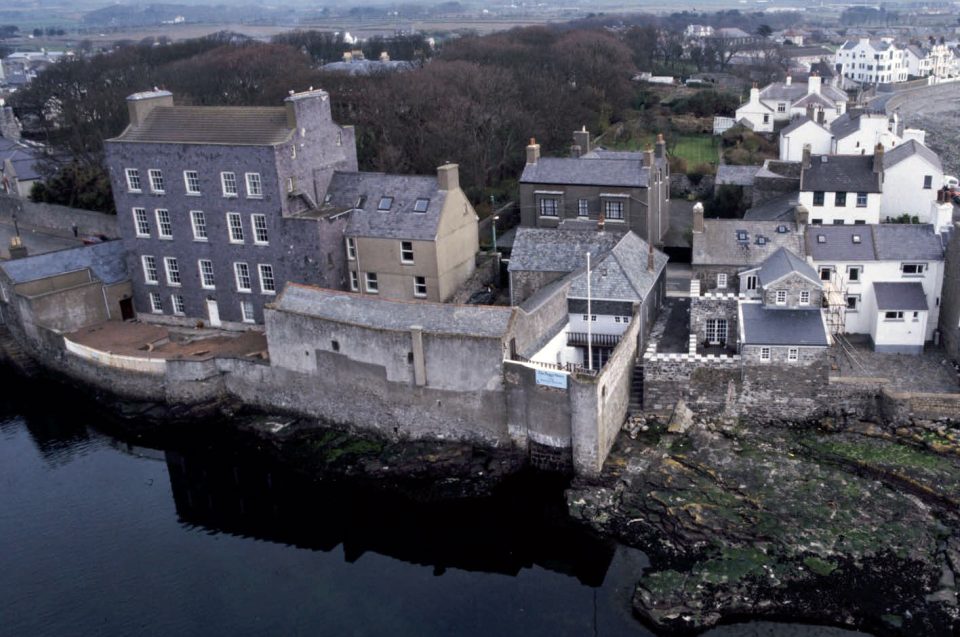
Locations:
{"points": [[813, 84], [789, 80]]}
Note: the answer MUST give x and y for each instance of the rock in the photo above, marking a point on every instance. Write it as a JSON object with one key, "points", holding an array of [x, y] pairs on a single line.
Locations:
{"points": [[681, 420]]}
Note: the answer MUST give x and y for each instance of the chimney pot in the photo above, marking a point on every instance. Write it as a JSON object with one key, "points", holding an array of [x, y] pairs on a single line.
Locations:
{"points": [[651, 261], [878, 159], [807, 160], [448, 177], [698, 217], [533, 151]]}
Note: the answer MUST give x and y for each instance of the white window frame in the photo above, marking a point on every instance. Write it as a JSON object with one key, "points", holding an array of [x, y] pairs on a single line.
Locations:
{"points": [[613, 210], [254, 185], [155, 177], [583, 207], [241, 276], [406, 253], [172, 270], [859, 276], [266, 274], [354, 281], [261, 235], [420, 286], [765, 354], [150, 273], [141, 223], [781, 297], [246, 311], [156, 303], [190, 176], [177, 305], [351, 249], [793, 354], [164, 224], [752, 282], [722, 280], [206, 284], [921, 269], [371, 283], [548, 207], [856, 303], [235, 227], [715, 328], [897, 315], [804, 297], [226, 179], [133, 180], [198, 223]]}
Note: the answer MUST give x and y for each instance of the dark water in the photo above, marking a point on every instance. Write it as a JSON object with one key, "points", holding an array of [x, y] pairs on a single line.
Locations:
{"points": [[98, 537]]}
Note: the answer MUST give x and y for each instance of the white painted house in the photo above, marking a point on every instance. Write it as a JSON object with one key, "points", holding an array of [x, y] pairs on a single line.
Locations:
{"points": [[781, 101], [867, 62], [841, 189], [930, 59], [883, 280], [804, 132], [912, 176]]}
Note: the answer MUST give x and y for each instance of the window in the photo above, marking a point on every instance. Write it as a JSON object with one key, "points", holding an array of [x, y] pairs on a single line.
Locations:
{"points": [[626, 319], [722, 280], [765, 354], [421, 205], [173, 270], [583, 208], [861, 200], [840, 199], [781, 297], [164, 227], [150, 270], [354, 281], [235, 227], [805, 297], [766, 118], [859, 222], [913, 269], [717, 331], [616, 319], [246, 311], [156, 180], [199, 223], [793, 354], [781, 107], [385, 204], [291, 184], [254, 187], [613, 210], [268, 284], [856, 238], [548, 207], [818, 198], [206, 274], [838, 222], [241, 272], [156, 303], [133, 180], [351, 248], [420, 286], [853, 302], [371, 283], [176, 302], [361, 200], [752, 281], [228, 181], [260, 235], [927, 182], [191, 179], [817, 222], [893, 316], [826, 273], [742, 235], [140, 222], [406, 252], [853, 274]]}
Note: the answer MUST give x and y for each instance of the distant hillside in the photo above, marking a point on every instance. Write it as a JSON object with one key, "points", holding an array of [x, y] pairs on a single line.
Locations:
{"points": [[151, 14]]}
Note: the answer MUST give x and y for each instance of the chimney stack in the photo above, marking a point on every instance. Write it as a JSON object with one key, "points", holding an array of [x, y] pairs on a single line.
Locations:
{"points": [[698, 217], [661, 147], [448, 177], [648, 158], [307, 108], [810, 112], [651, 261], [814, 83], [139, 105], [821, 116], [806, 162], [533, 151], [789, 80], [802, 216], [754, 94], [581, 139], [878, 159]]}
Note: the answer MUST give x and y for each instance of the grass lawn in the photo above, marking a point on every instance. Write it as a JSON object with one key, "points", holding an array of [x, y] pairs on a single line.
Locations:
{"points": [[695, 149]]}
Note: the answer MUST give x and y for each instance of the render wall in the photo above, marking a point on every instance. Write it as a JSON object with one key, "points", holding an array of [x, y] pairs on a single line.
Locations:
{"points": [[949, 321], [903, 191]]}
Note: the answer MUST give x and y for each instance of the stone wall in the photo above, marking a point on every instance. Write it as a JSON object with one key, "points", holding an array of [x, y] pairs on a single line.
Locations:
{"points": [[950, 303], [524, 284], [793, 285], [703, 382], [707, 275], [58, 219], [902, 407], [785, 392], [714, 305]]}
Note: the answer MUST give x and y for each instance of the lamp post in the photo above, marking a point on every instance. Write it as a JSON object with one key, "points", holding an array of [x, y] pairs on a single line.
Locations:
{"points": [[493, 227]]}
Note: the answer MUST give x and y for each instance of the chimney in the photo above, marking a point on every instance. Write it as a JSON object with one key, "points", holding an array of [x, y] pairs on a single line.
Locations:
{"points": [[448, 177], [698, 217], [9, 126], [806, 161], [789, 80], [802, 216], [139, 105], [878, 159], [384, 56], [308, 108], [651, 261], [648, 158], [813, 84], [661, 147], [533, 151], [581, 138], [576, 151], [810, 112], [821, 116]]}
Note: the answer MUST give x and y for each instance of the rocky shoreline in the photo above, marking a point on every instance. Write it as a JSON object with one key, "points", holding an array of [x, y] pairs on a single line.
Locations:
{"points": [[848, 524]]}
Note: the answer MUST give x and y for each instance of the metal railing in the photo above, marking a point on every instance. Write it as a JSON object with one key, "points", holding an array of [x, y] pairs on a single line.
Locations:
{"points": [[603, 340]]}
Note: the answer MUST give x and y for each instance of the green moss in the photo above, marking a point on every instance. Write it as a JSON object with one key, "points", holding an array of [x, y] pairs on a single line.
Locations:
{"points": [[818, 566], [357, 447], [664, 583], [734, 564]]}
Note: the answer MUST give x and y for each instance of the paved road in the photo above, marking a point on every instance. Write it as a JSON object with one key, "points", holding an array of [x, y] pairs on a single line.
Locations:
{"points": [[37, 242]]}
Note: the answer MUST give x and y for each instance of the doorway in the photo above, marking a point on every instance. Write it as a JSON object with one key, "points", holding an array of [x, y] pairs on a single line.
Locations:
{"points": [[213, 312], [126, 309]]}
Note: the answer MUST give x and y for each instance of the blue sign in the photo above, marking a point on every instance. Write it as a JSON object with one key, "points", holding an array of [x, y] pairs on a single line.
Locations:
{"points": [[552, 379]]}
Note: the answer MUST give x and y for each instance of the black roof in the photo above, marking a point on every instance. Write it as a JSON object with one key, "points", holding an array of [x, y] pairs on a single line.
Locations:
{"points": [[840, 173]]}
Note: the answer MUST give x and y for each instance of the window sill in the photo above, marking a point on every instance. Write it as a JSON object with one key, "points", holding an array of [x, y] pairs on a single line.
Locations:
{"points": [[239, 291], [210, 287], [193, 194], [237, 243], [373, 292], [158, 192], [157, 283], [254, 196], [407, 262], [616, 220], [201, 240], [156, 311], [174, 285], [261, 243], [134, 192], [165, 238], [226, 196], [268, 292], [419, 296], [143, 236]]}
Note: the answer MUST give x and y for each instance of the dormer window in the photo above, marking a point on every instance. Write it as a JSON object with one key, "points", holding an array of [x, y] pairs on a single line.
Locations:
{"points": [[742, 235], [856, 238], [361, 200], [761, 241], [821, 238], [327, 198], [421, 205], [781, 229], [385, 204]]}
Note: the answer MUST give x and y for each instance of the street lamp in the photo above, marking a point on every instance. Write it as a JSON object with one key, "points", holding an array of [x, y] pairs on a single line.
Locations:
{"points": [[493, 227]]}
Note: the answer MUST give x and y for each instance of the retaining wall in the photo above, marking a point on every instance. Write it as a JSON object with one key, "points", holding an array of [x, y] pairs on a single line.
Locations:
{"points": [[58, 219]]}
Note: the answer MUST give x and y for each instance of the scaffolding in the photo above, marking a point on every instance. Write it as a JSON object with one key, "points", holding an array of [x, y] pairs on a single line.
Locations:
{"points": [[835, 303]]}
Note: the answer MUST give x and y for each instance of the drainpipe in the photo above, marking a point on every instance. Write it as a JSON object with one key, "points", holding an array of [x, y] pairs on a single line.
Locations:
{"points": [[589, 319]]}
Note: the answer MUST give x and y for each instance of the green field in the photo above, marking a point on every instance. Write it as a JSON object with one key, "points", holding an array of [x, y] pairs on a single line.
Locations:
{"points": [[695, 149]]}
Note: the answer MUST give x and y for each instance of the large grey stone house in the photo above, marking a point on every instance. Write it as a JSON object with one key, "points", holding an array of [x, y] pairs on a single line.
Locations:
{"points": [[217, 206]]}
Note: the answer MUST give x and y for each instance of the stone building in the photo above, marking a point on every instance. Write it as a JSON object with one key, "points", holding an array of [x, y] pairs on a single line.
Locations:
{"points": [[217, 206], [950, 305], [629, 190]]}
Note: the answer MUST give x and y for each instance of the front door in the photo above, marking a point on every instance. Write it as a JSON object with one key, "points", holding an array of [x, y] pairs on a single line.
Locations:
{"points": [[213, 312], [126, 310]]}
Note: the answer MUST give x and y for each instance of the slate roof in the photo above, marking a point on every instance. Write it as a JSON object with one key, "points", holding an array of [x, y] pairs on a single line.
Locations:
{"points": [[400, 221], [908, 149], [805, 51], [555, 250], [587, 171], [366, 310], [783, 262], [849, 123], [782, 327], [900, 295], [718, 243], [107, 262], [783, 91], [230, 125], [814, 98], [735, 175], [25, 159], [621, 275], [797, 123], [781, 208], [880, 242], [840, 173]]}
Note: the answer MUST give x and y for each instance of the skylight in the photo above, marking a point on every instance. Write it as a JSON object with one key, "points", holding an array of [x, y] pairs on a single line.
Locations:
{"points": [[781, 229], [761, 241], [742, 235], [420, 205], [362, 199], [821, 238], [856, 238], [385, 203]]}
